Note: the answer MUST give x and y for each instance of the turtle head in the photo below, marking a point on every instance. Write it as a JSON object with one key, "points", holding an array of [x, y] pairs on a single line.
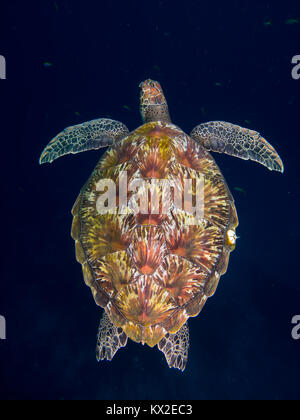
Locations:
{"points": [[153, 103]]}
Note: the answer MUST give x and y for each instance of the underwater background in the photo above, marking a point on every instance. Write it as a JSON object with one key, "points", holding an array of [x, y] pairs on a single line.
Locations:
{"points": [[73, 61]]}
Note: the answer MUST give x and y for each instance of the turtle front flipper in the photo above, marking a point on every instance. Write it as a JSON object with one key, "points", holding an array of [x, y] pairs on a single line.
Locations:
{"points": [[93, 134], [175, 347], [110, 339], [223, 137]]}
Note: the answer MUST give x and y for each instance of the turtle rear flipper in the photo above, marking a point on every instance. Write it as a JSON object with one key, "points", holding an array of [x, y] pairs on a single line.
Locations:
{"points": [[93, 134], [110, 339], [222, 137], [175, 347]]}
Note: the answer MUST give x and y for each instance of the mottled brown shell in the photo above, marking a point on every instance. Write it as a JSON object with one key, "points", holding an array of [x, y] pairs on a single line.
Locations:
{"points": [[151, 272]]}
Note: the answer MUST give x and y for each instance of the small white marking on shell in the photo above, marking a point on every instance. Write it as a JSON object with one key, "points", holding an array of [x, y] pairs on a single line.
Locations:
{"points": [[231, 236]]}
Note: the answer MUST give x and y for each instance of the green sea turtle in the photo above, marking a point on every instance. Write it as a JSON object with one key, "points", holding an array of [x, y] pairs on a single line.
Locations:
{"points": [[150, 263]]}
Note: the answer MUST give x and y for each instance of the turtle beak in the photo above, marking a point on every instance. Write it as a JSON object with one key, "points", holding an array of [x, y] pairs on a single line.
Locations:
{"points": [[149, 84]]}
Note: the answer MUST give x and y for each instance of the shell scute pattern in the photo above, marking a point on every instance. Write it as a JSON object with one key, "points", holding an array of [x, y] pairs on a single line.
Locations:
{"points": [[151, 272]]}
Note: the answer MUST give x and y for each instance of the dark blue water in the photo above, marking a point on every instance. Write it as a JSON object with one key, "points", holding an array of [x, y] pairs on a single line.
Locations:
{"points": [[72, 61]]}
